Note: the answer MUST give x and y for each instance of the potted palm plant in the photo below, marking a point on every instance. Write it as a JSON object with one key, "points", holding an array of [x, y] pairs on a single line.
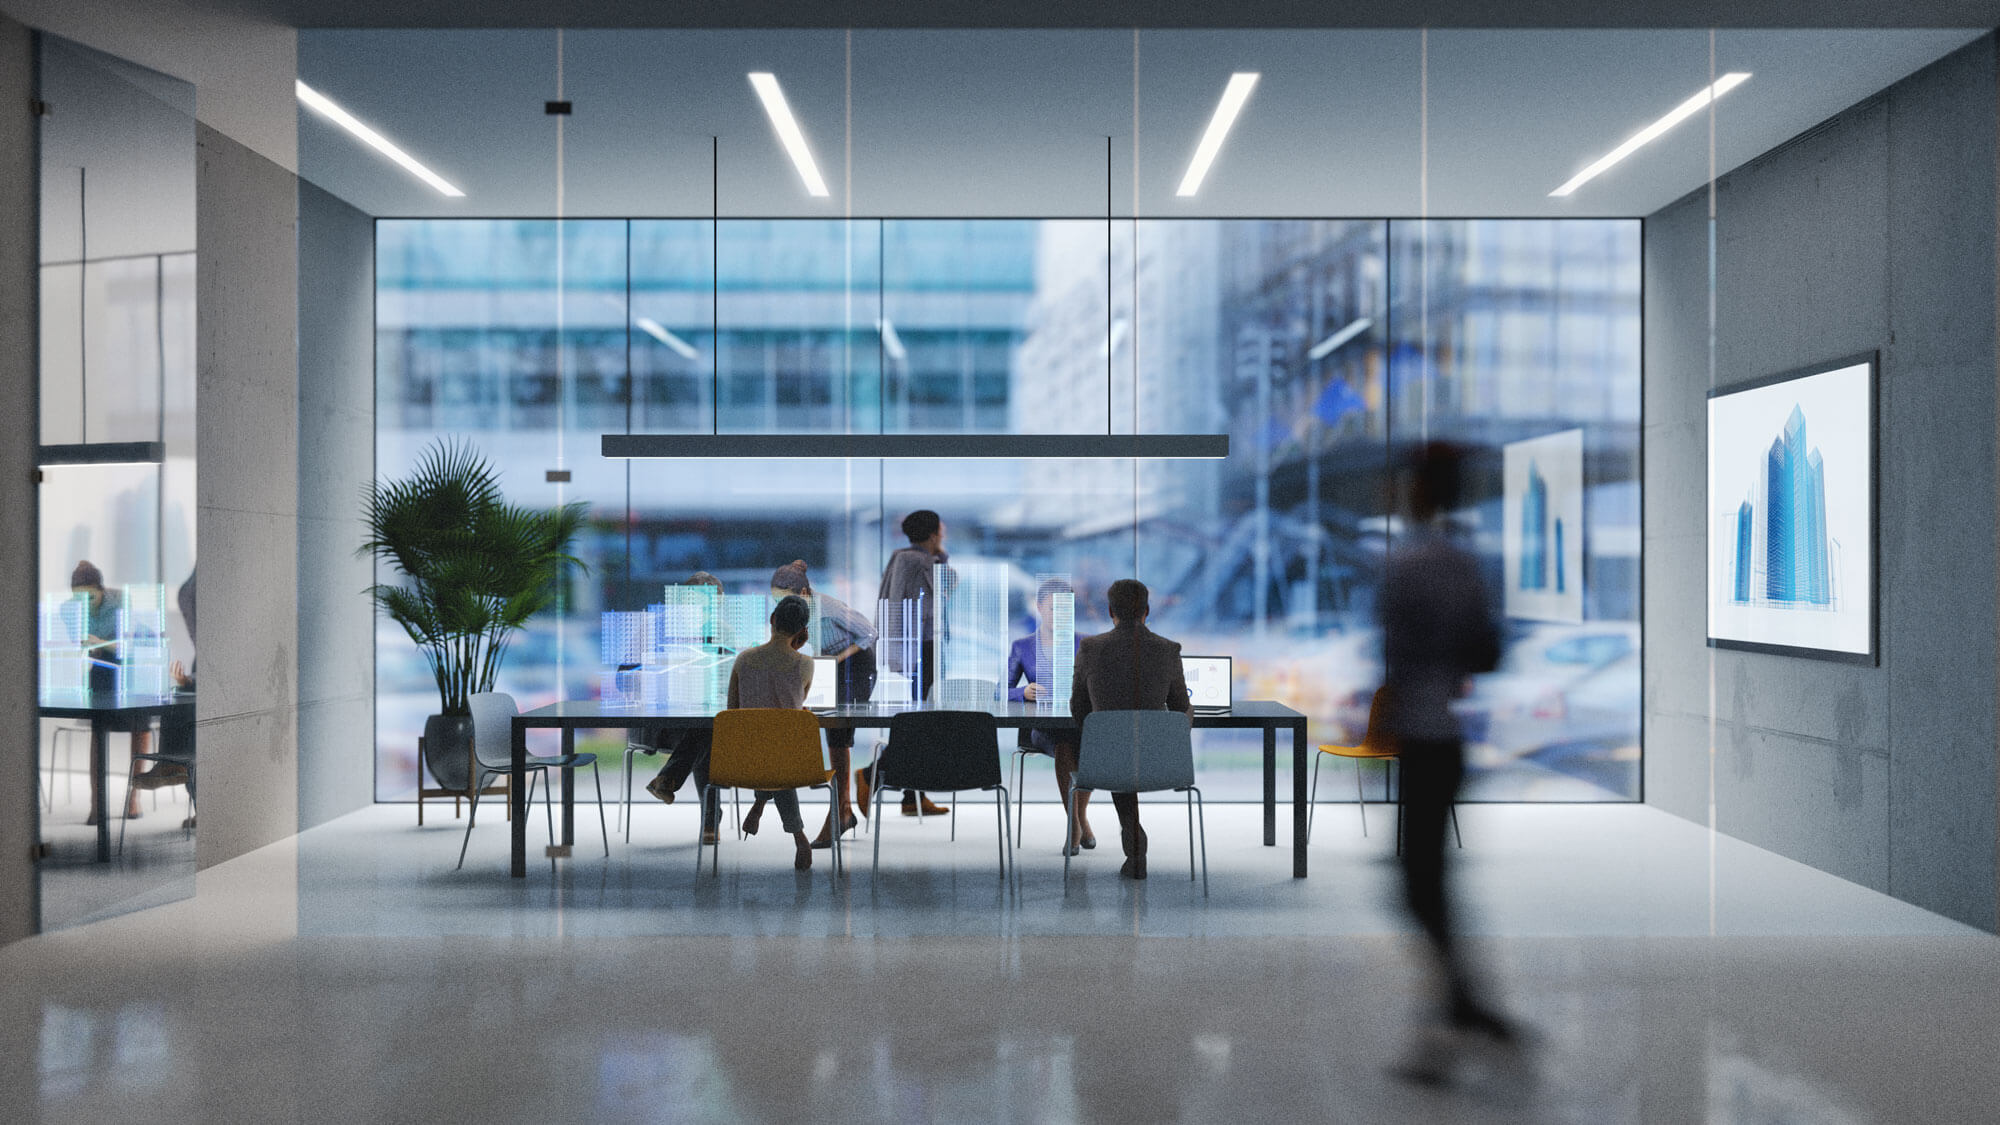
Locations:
{"points": [[468, 571]]}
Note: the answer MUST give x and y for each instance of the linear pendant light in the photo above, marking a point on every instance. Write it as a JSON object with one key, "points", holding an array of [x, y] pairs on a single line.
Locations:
{"points": [[331, 110], [787, 128], [1233, 97], [1654, 131]]}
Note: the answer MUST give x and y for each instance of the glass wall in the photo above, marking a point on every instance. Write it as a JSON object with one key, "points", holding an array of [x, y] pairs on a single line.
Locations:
{"points": [[1322, 347]]}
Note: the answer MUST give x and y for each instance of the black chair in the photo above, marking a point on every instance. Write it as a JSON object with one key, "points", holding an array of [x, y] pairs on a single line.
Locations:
{"points": [[945, 751]]}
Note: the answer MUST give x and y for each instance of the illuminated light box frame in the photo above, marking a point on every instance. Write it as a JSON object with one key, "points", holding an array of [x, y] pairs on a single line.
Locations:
{"points": [[952, 447]]}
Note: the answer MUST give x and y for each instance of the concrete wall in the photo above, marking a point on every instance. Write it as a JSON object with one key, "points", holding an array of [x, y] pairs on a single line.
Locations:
{"points": [[1876, 231], [336, 460], [20, 812], [248, 434]]}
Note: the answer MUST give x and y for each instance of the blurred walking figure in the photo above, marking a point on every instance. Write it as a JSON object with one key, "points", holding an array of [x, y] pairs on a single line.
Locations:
{"points": [[1438, 631]]}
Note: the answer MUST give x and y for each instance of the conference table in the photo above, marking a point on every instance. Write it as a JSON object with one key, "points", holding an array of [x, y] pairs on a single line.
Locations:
{"points": [[108, 713], [571, 716]]}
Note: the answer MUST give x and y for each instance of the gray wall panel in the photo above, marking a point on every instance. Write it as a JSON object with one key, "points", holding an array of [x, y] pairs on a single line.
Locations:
{"points": [[336, 460], [247, 378], [20, 817], [1874, 231]]}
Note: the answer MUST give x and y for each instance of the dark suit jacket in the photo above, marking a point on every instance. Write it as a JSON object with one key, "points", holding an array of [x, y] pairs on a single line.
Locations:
{"points": [[1131, 668]]}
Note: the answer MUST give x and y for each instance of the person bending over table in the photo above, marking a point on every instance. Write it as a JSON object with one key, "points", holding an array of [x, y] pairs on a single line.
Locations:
{"points": [[776, 674], [1130, 668], [907, 577], [1024, 662], [849, 638]]}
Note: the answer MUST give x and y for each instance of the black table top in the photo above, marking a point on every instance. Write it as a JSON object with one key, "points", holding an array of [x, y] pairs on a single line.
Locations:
{"points": [[589, 713], [109, 705]]}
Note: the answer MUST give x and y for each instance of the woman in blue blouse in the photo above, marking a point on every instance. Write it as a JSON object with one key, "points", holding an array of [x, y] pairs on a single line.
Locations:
{"points": [[1027, 655]]}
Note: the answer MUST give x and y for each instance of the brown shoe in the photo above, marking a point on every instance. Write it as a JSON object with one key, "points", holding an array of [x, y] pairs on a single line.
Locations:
{"points": [[932, 808]]}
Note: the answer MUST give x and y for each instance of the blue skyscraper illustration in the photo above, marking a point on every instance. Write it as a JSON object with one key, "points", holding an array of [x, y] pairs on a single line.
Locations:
{"points": [[1797, 568], [1535, 532]]}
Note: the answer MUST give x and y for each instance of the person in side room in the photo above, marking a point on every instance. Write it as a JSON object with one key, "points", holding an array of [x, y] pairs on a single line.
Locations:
{"points": [[907, 580], [1438, 630], [849, 638], [687, 751], [776, 674], [1027, 661], [101, 608], [1130, 668]]}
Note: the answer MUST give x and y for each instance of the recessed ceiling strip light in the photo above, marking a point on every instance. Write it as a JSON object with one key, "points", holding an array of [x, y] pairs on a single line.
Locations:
{"points": [[787, 128], [1233, 97], [1654, 131], [324, 106]]}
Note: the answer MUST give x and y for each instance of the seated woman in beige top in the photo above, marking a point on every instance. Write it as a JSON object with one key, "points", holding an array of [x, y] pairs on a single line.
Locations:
{"points": [[777, 674]]}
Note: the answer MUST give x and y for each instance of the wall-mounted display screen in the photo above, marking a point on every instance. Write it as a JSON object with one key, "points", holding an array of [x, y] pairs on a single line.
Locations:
{"points": [[1791, 509]]}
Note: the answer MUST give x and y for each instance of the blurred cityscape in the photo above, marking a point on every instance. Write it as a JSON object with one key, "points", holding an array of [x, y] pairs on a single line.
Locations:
{"points": [[1320, 346]]}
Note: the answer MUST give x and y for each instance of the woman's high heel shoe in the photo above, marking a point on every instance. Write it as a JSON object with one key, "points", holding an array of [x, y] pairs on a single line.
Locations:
{"points": [[825, 839]]}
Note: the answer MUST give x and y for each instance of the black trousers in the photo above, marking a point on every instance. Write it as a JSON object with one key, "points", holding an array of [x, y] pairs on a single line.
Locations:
{"points": [[1432, 771], [690, 756]]}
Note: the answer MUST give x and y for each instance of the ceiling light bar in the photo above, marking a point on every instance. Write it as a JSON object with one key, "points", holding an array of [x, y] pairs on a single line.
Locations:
{"points": [[326, 107], [787, 127], [894, 447], [1233, 97], [659, 332], [1332, 343], [1654, 131]]}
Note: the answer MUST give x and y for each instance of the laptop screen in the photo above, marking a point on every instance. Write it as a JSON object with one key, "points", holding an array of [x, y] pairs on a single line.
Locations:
{"points": [[1210, 681], [821, 696]]}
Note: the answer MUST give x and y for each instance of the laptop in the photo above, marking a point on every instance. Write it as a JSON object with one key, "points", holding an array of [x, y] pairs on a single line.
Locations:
{"points": [[1211, 683], [822, 697]]}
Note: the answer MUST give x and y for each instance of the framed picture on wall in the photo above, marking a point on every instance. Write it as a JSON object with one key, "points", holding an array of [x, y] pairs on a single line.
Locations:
{"points": [[1791, 513]]}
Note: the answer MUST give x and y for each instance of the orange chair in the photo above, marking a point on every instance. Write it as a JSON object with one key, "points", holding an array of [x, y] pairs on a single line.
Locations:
{"points": [[1376, 746], [765, 748]]}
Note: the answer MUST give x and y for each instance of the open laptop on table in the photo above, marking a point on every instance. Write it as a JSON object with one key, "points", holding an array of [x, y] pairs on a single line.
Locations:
{"points": [[821, 697], [1211, 683]]}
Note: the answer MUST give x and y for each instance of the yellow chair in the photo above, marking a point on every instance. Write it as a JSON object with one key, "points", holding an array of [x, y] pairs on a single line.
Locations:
{"points": [[765, 748], [1376, 746]]}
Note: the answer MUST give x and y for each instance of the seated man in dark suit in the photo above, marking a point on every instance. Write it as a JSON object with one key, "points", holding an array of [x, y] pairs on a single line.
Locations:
{"points": [[1131, 668]]}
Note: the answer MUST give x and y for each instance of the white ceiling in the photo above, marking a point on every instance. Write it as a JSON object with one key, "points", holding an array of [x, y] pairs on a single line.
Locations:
{"points": [[1013, 123]]}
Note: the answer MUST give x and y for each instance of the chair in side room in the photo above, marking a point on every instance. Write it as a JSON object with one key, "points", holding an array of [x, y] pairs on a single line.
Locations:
{"points": [[493, 751], [765, 748], [1375, 746], [1140, 752], [940, 751], [182, 759]]}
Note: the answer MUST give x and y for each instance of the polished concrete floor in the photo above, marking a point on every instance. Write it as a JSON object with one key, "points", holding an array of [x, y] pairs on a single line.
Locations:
{"points": [[353, 974]]}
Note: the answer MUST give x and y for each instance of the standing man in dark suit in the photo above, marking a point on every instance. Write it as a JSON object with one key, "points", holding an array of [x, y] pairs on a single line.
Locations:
{"points": [[1130, 668]]}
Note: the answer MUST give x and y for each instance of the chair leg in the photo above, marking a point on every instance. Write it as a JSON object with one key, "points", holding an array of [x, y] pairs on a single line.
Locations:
{"points": [[954, 816], [875, 799], [1201, 815], [1360, 799], [1069, 832], [1453, 808], [131, 777], [598, 777], [480, 783], [627, 822], [1020, 786], [1190, 807], [1000, 809], [1312, 801]]}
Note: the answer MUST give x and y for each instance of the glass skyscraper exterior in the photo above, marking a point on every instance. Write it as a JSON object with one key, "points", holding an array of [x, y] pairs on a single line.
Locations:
{"points": [[1796, 564]]}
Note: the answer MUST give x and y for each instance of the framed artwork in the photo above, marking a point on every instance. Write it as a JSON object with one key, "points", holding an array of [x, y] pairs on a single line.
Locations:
{"points": [[1541, 539], [1791, 513]]}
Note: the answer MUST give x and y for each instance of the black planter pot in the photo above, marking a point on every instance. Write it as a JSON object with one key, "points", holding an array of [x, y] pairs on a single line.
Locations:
{"points": [[448, 750]]}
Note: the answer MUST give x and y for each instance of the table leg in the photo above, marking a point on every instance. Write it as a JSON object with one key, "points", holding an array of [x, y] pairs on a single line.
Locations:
{"points": [[99, 767], [517, 799], [1270, 787], [1301, 803], [569, 787]]}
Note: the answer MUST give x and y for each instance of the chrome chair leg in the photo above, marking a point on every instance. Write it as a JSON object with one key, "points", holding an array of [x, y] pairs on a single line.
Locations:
{"points": [[131, 778], [1361, 801], [1312, 802], [999, 809], [875, 798], [598, 777], [1190, 808], [1453, 807], [472, 816], [1201, 815], [1069, 832], [954, 814]]}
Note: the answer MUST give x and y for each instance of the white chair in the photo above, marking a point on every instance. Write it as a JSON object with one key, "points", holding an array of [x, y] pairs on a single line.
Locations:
{"points": [[1140, 752], [63, 738], [493, 748]]}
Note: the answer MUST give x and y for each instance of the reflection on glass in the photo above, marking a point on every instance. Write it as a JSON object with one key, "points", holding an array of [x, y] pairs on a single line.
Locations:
{"points": [[1317, 345]]}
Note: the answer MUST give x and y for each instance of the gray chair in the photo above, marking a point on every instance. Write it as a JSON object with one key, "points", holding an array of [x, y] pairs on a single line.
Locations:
{"points": [[493, 748], [1140, 752], [945, 751], [63, 739]]}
